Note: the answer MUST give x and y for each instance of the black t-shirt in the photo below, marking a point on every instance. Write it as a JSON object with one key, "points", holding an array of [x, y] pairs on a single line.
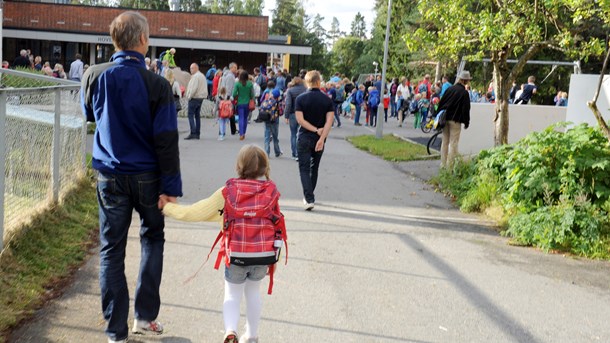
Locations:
{"points": [[314, 104]]}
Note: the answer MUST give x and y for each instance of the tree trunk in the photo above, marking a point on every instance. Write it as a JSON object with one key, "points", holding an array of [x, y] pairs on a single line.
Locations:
{"points": [[593, 103], [502, 84]]}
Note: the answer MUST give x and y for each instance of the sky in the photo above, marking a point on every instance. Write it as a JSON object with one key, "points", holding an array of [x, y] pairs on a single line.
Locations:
{"points": [[344, 10]]}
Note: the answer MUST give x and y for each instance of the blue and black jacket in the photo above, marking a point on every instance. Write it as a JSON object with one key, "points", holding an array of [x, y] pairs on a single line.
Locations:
{"points": [[137, 124]]}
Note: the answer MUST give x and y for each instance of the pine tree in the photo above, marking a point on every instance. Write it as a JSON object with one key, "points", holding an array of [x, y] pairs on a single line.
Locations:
{"points": [[358, 27]]}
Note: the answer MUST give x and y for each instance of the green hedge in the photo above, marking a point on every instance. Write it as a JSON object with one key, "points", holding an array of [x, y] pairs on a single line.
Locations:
{"points": [[552, 186]]}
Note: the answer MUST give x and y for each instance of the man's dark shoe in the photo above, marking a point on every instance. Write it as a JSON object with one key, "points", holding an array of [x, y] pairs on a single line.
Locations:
{"points": [[189, 137]]}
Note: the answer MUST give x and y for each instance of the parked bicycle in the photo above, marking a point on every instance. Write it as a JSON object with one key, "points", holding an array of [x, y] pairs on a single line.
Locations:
{"points": [[427, 125], [434, 143]]}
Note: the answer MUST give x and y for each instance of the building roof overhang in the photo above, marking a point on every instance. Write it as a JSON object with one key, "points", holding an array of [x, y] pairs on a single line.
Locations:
{"points": [[161, 41]]}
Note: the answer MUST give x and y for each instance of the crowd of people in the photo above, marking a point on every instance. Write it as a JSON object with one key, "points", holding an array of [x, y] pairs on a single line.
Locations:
{"points": [[27, 60]]}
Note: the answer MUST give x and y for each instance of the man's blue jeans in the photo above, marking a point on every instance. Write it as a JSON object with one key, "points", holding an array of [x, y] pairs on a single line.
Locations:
{"points": [[338, 114], [309, 161], [393, 106], [294, 129], [118, 196], [195, 116], [358, 110]]}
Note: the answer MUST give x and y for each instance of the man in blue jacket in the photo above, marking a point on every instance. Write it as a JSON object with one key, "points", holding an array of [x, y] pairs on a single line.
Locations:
{"points": [[135, 153]]}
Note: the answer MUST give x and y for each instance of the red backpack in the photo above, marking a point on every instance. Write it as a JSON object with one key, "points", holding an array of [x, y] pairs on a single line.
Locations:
{"points": [[225, 109], [253, 227]]}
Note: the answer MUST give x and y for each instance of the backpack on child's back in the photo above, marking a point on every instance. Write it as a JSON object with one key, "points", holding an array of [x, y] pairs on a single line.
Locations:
{"points": [[253, 230], [267, 109], [374, 99], [225, 108]]}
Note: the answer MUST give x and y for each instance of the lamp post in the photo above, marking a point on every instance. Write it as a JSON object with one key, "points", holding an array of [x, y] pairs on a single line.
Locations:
{"points": [[375, 64], [379, 131]]}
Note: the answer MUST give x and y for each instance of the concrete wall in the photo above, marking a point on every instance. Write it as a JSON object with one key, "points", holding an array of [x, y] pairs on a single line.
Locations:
{"points": [[582, 89], [527, 118], [523, 119]]}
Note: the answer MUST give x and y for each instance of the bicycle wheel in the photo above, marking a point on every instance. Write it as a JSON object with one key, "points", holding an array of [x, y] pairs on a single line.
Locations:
{"points": [[434, 143], [427, 126]]}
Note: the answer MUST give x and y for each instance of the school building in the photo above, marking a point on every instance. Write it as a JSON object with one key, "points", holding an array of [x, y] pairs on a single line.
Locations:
{"points": [[57, 31]]}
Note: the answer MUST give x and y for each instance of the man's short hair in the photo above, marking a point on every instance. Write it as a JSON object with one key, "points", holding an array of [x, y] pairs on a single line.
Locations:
{"points": [[126, 30], [23, 52], [79, 56], [313, 79]]}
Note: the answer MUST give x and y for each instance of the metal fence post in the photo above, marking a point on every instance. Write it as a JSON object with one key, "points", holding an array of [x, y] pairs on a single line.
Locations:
{"points": [[2, 162], [56, 158]]}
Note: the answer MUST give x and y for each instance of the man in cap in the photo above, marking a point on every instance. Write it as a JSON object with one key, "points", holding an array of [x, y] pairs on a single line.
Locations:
{"points": [[456, 103]]}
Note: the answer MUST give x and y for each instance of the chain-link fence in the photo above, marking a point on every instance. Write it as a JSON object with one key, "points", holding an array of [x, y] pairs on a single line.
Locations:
{"points": [[42, 144]]}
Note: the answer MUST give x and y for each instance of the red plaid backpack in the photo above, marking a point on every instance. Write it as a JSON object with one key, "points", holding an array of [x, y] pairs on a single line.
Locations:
{"points": [[253, 229]]}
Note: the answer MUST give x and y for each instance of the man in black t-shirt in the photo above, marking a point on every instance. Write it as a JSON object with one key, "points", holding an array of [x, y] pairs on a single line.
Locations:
{"points": [[315, 113]]}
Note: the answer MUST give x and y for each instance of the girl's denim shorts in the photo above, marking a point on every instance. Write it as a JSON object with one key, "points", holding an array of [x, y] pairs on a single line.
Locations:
{"points": [[238, 274]]}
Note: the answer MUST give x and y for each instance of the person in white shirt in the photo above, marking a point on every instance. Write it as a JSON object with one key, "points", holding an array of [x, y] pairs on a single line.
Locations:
{"points": [[76, 69], [196, 91]]}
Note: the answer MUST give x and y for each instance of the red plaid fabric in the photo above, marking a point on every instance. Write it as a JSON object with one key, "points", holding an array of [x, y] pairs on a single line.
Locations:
{"points": [[252, 222]]}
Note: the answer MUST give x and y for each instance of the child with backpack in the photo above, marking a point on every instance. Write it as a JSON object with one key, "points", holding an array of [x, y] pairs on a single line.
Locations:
{"points": [[252, 233], [269, 112], [422, 104], [224, 110], [386, 104], [373, 105]]}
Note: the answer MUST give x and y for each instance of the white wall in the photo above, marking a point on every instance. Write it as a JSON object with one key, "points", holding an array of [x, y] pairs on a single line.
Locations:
{"points": [[582, 89], [523, 119]]}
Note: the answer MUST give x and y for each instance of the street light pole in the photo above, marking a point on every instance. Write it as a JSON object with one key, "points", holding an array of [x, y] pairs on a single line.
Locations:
{"points": [[380, 112]]}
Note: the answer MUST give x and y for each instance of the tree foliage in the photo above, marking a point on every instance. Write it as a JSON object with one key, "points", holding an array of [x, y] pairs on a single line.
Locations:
{"points": [[500, 30], [335, 31], [358, 27], [346, 52]]}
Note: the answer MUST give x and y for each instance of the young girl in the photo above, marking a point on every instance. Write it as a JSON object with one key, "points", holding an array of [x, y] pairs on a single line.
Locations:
{"points": [[252, 166], [222, 122]]}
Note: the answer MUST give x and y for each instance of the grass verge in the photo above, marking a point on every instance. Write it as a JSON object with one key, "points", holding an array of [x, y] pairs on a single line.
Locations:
{"points": [[390, 148], [39, 261]]}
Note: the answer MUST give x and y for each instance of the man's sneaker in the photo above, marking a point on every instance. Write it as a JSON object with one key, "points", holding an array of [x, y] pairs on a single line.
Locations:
{"points": [[231, 337], [308, 206], [110, 340], [144, 327], [244, 339], [221, 138]]}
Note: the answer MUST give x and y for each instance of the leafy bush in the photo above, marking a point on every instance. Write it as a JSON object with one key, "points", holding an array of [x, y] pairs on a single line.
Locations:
{"points": [[553, 185]]}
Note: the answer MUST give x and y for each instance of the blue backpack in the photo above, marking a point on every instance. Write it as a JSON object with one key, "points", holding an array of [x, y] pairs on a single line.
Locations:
{"points": [[374, 99], [268, 105], [413, 106], [422, 88]]}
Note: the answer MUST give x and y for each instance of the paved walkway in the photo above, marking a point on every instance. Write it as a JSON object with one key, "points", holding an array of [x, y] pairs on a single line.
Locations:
{"points": [[382, 258]]}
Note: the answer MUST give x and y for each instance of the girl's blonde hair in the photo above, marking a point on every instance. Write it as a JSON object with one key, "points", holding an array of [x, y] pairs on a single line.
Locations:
{"points": [[252, 163], [222, 91]]}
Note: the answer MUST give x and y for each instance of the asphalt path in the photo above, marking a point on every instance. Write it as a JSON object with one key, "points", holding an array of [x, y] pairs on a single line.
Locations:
{"points": [[383, 257]]}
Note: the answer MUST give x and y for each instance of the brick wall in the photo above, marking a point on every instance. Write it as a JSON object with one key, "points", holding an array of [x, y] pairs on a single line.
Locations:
{"points": [[96, 20]]}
